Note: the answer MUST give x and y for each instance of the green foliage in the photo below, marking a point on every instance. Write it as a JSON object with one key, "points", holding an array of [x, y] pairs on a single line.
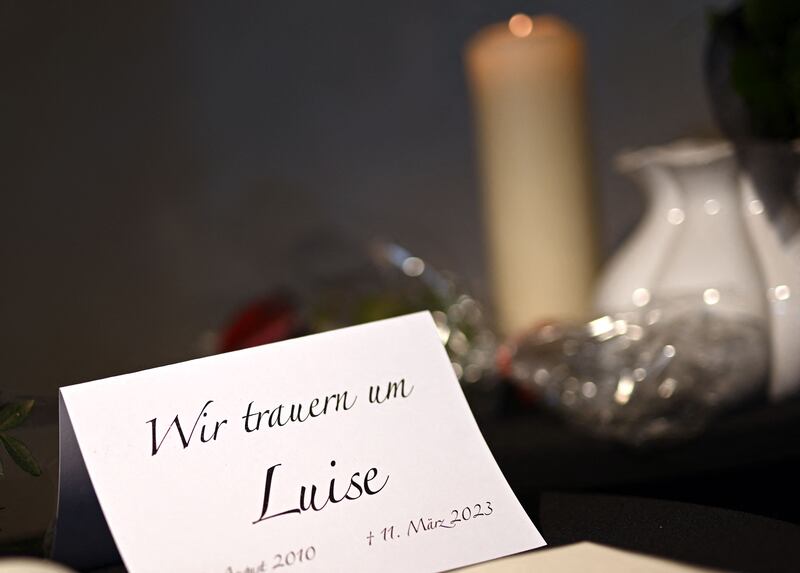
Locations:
{"points": [[21, 455], [765, 63], [11, 416], [769, 21]]}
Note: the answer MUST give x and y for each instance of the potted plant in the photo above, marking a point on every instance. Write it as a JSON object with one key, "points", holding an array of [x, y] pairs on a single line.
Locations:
{"points": [[753, 79]]}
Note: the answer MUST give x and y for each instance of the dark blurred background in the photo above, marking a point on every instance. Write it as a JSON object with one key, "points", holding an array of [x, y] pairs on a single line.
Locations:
{"points": [[164, 162]]}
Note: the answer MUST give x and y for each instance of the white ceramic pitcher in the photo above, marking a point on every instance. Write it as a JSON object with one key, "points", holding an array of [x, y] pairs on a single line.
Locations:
{"points": [[704, 240], [769, 186], [693, 241]]}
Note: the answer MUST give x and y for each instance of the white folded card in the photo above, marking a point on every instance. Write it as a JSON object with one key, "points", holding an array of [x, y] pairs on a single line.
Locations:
{"points": [[352, 450]]}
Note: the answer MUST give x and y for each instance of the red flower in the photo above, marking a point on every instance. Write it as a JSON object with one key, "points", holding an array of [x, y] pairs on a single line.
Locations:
{"points": [[270, 319]]}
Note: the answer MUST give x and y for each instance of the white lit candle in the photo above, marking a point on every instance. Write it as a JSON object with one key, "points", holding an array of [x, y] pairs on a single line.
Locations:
{"points": [[527, 79]]}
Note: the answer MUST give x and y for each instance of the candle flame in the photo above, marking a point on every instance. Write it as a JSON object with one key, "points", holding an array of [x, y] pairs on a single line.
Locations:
{"points": [[520, 25]]}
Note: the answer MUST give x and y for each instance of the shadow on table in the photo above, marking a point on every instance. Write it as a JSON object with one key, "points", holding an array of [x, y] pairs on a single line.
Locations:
{"points": [[696, 534]]}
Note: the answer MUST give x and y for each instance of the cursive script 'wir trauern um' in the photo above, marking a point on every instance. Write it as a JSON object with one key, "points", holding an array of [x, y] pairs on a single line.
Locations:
{"points": [[311, 498]]}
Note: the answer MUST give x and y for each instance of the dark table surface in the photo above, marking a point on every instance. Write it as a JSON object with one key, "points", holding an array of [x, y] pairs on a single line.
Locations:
{"points": [[747, 461], [726, 499], [706, 536]]}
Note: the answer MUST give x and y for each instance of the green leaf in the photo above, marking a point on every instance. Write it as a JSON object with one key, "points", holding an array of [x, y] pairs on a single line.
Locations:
{"points": [[759, 79], [770, 20], [21, 455], [12, 415]]}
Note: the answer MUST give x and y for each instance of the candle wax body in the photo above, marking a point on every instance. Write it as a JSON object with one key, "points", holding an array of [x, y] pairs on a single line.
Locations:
{"points": [[530, 112]]}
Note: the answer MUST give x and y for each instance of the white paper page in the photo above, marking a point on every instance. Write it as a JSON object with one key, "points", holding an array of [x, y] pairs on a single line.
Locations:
{"points": [[201, 507]]}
